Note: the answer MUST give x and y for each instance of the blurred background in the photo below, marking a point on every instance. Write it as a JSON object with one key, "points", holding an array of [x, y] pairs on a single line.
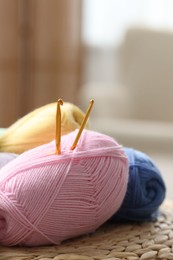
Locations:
{"points": [[118, 52]]}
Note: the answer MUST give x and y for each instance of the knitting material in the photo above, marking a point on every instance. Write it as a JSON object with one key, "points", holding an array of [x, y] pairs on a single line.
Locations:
{"points": [[146, 189], [46, 198], [6, 158], [38, 127]]}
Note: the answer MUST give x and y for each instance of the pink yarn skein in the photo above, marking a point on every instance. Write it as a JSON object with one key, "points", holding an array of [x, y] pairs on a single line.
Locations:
{"points": [[47, 198]]}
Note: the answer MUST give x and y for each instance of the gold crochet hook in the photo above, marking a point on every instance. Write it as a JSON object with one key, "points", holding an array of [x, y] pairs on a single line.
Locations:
{"points": [[58, 126], [82, 125]]}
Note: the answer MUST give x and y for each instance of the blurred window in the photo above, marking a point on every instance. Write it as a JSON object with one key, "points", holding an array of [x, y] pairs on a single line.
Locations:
{"points": [[106, 21]]}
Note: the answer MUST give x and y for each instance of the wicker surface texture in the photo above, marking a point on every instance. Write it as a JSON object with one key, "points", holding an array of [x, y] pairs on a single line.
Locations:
{"points": [[152, 240]]}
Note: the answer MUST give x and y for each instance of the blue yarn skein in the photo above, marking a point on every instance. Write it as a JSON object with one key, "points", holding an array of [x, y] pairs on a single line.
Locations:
{"points": [[146, 189]]}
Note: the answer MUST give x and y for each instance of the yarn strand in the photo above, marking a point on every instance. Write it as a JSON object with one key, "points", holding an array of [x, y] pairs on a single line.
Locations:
{"points": [[58, 126], [82, 125]]}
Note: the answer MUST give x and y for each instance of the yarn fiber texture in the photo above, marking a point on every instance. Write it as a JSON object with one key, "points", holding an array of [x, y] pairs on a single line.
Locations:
{"points": [[46, 198], [146, 189], [38, 127]]}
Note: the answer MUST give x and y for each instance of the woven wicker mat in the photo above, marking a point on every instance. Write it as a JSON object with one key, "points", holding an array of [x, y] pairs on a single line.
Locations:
{"points": [[129, 241]]}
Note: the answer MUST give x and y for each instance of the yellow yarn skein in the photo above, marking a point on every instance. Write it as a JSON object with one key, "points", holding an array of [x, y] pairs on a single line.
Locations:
{"points": [[39, 126]]}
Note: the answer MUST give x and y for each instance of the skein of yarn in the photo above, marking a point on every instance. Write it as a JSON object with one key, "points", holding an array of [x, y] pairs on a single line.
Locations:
{"points": [[46, 198], [146, 189], [38, 127]]}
